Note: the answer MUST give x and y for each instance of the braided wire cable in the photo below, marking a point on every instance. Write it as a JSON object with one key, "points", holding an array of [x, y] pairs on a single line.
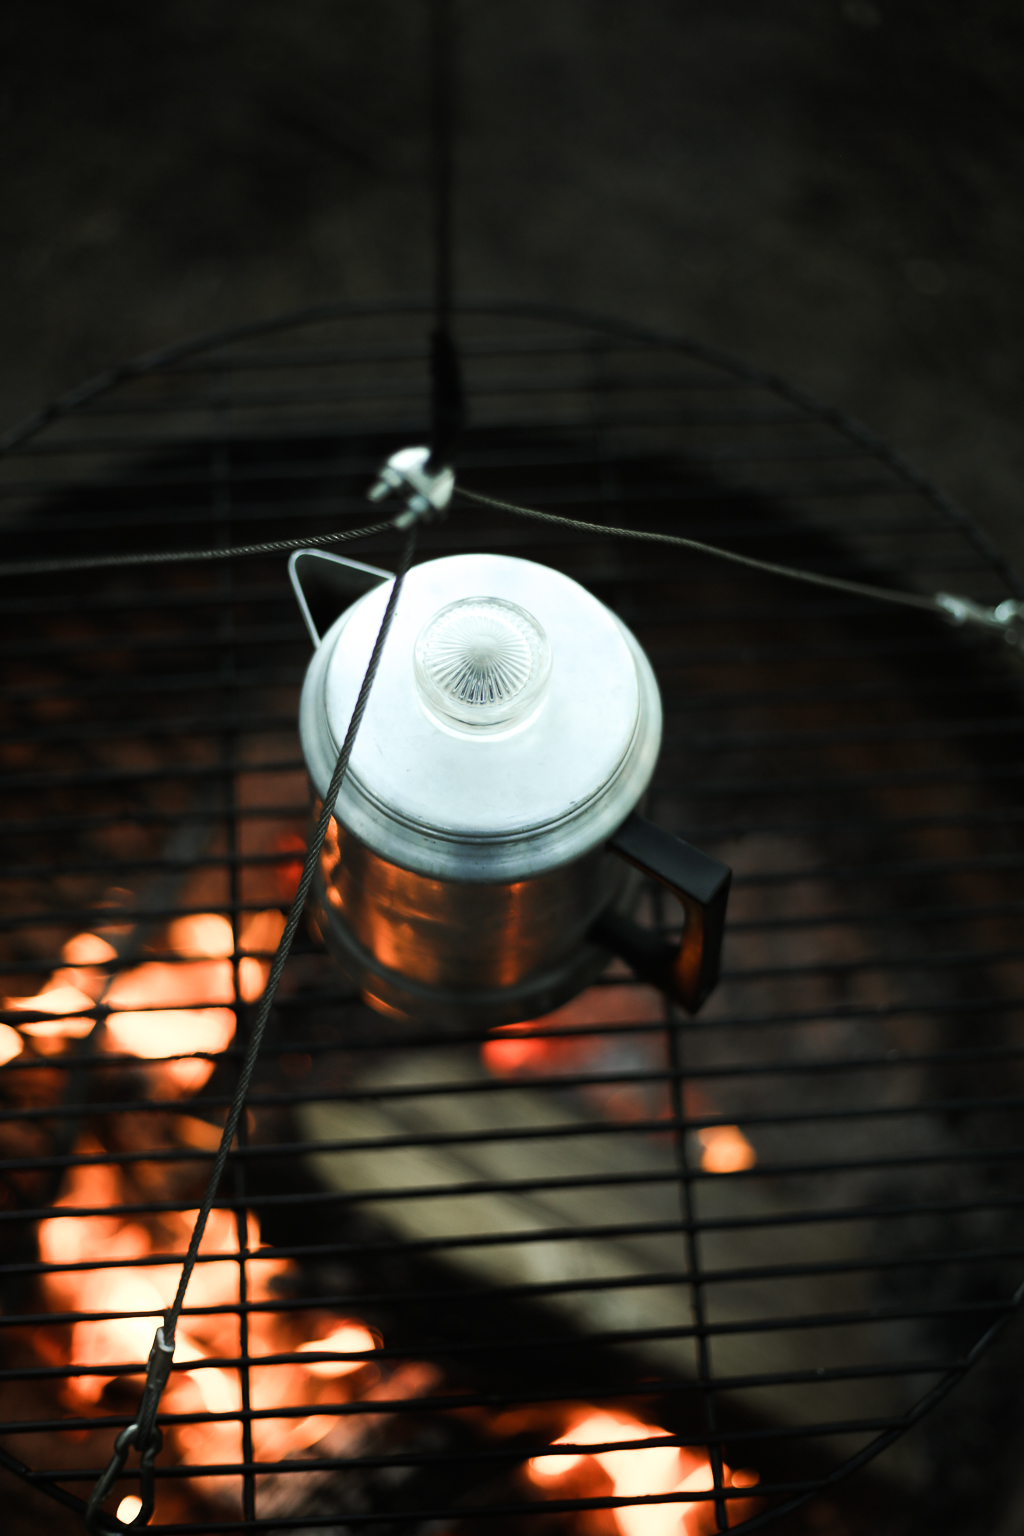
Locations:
{"points": [[282, 546], [184, 556], [769, 567], [144, 1431]]}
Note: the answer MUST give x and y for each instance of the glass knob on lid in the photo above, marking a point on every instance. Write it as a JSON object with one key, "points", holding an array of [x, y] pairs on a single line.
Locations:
{"points": [[482, 662]]}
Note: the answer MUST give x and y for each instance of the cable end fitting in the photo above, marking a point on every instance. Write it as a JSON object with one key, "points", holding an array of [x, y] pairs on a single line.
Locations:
{"points": [[427, 492], [158, 1370], [1007, 618]]}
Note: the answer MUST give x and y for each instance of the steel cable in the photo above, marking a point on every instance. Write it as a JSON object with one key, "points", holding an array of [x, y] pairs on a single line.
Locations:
{"points": [[184, 556], [960, 610], [768, 567], [143, 1433]]}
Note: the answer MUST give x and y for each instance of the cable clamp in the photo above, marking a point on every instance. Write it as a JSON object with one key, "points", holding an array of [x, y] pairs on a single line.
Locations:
{"points": [[1007, 617], [427, 491]]}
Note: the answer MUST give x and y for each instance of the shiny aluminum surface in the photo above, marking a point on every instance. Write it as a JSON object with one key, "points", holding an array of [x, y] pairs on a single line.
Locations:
{"points": [[460, 954], [513, 726], [452, 803]]}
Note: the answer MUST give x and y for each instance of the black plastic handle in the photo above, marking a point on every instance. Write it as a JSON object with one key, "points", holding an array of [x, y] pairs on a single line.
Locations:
{"points": [[687, 971]]}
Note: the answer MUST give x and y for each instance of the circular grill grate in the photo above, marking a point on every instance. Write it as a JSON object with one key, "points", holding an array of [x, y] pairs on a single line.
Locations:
{"points": [[759, 1243]]}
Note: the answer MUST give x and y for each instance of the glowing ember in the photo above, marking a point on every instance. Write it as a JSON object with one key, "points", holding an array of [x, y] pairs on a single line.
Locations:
{"points": [[641, 1473], [514, 1052], [201, 936], [349, 1338], [116, 1272], [261, 932], [726, 1149], [180, 1008], [88, 949], [10, 1044], [68, 992], [143, 1024], [157, 1032], [128, 1265], [106, 1345], [64, 1001]]}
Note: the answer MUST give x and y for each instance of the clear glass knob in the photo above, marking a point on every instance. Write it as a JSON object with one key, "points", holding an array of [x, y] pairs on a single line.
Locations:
{"points": [[482, 661]]}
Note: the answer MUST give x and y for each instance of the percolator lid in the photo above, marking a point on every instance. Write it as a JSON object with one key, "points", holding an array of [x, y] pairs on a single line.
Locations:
{"points": [[513, 724]]}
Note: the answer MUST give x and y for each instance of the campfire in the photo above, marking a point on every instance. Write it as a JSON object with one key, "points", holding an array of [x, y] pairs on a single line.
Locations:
{"points": [[110, 1255], [640, 1472], [451, 1273], [175, 1016]]}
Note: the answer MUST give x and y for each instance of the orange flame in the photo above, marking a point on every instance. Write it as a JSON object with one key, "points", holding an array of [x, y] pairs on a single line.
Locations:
{"points": [[160, 1008], [142, 1295], [726, 1149], [351, 1338], [171, 1008], [163, 1008], [642, 1473], [11, 1044]]}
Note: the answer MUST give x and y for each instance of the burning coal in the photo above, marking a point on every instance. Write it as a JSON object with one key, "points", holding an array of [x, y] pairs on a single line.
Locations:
{"points": [[120, 1228], [176, 1016], [641, 1472], [578, 1046]]}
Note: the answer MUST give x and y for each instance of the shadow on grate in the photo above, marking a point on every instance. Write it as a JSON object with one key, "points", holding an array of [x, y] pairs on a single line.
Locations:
{"points": [[585, 1269]]}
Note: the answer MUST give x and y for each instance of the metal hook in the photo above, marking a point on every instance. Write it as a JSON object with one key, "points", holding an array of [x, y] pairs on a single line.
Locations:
{"points": [[96, 1520]]}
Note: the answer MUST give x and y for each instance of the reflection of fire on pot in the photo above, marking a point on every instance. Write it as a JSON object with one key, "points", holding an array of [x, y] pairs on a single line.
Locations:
{"points": [[483, 860]]}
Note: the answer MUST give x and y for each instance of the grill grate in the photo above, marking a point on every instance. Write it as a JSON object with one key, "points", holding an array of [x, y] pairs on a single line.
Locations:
{"points": [[760, 1242]]}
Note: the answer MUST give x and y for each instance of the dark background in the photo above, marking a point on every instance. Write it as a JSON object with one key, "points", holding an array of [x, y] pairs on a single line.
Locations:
{"points": [[830, 188]]}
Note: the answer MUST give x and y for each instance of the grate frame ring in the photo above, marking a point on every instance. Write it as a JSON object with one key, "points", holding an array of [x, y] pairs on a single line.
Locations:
{"points": [[609, 425]]}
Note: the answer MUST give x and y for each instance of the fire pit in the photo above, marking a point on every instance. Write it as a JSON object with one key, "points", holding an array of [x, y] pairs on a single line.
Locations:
{"points": [[616, 1269]]}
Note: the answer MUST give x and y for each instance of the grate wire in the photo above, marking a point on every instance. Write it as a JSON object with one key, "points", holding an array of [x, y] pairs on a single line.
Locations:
{"points": [[859, 770]]}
